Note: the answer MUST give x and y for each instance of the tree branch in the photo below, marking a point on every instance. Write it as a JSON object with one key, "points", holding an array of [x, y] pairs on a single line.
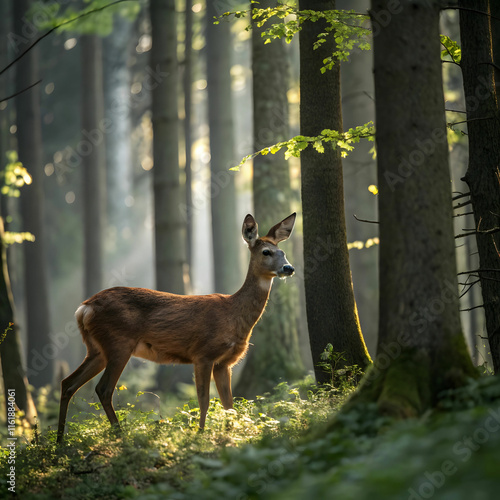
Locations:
{"points": [[38, 40], [479, 271], [20, 91], [471, 120], [460, 205], [465, 213], [365, 220], [471, 308], [460, 195], [456, 7]]}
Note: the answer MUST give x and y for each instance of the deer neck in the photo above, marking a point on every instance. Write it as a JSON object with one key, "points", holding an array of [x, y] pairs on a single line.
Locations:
{"points": [[250, 300]]}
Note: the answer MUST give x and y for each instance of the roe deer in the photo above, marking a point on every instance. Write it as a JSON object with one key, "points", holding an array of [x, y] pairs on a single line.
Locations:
{"points": [[210, 331]]}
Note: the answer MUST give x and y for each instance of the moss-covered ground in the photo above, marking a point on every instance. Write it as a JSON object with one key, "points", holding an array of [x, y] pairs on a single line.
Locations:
{"points": [[280, 446]]}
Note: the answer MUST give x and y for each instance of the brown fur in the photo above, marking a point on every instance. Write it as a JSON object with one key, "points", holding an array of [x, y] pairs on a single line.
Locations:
{"points": [[210, 331]]}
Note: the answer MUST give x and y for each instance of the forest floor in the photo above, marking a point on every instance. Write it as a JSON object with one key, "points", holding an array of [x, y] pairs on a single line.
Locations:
{"points": [[293, 444]]}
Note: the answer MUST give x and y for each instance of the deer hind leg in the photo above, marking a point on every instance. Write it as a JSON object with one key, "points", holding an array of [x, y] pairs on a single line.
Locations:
{"points": [[106, 386], [222, 377], [92, 364], [202, 376]]}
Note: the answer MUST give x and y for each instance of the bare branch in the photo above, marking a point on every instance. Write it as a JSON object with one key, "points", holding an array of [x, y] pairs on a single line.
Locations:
{"points": [[364, 220], [456, 7], [460, 205], [460, 195], [20, 91], [471, 308], [471, 120], [479, 271]]}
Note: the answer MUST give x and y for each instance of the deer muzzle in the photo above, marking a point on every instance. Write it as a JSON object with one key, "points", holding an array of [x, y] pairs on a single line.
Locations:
{"points": [[285, 271]]}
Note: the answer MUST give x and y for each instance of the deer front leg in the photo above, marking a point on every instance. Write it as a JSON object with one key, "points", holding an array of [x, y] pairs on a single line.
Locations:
{"points": [[222, 377], [202, 376]]}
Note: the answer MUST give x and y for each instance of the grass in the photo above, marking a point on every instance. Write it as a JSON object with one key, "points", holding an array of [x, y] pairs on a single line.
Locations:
{"points": [[280, 446]]}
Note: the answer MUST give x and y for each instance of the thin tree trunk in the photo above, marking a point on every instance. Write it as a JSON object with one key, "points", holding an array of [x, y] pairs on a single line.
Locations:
{"points": [[170, 231], [15, 382], [94, 156], [421, 349], [360, 171], [483, 173], [331, 309], [29, 143], [226, 248], [275, 355], [188, 136], [117, 80]]}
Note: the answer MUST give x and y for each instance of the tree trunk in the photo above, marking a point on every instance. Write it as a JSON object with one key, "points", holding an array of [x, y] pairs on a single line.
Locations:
{"points": [[170, 231], [15, 382], [94, 157], [188, 136], [421, 348], [275, 355], [331, 309], [360, 171], [116, 53], [226, 248], [29, 143], [483, 173]]}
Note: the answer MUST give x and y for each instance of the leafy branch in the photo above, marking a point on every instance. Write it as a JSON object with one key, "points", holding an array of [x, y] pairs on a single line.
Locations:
{"points": [[341, 140], [12, 178], [345, 25], [7, 330], [451, 49]]}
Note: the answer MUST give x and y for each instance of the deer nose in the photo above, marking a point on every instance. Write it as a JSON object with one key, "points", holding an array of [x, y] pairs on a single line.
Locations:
{"points": [[287, 270]]}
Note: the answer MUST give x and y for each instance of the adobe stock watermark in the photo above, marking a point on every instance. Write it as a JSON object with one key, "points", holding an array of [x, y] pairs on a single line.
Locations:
{"points": [[417, 157], [218, 182], [11, 438], [425, 148], [72, 157], [259, 480], [42, 13], [462, 451], [382, 18], [418, 321], [39, 360]]}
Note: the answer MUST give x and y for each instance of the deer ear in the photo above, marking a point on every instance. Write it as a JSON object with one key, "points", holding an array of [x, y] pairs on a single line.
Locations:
{"points": [[282, 230], [250, 230]]}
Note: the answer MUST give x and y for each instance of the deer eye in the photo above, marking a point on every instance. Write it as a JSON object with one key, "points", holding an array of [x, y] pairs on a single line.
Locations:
{"points": [[266, 252]]}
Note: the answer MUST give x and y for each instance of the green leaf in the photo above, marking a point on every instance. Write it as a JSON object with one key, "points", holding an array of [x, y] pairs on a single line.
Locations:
{"points": [[451, 49]]}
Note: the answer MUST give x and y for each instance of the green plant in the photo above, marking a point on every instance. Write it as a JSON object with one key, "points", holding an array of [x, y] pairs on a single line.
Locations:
{"points": [[7, 330], [343, 378]]}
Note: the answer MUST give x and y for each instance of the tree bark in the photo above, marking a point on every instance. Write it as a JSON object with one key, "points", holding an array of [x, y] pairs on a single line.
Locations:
{"points": [[421, 348], [480, 39], [226, 248], [92, 147], [188, 136], [29, 144], [360, 171], [15, 382], [331, 309], [275, 356], [170, 233], [117, 78]]}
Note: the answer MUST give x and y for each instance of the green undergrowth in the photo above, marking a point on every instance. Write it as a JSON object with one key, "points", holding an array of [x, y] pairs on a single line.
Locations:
{"points": [[276, 447]]}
